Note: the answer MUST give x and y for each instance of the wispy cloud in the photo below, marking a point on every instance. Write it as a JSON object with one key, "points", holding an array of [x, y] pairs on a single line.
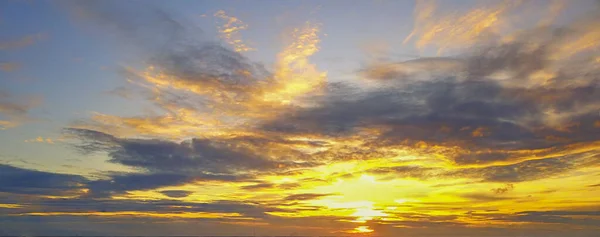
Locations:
{"points": [[9, 66], [230, 31], [15, 111], [8, 44]]}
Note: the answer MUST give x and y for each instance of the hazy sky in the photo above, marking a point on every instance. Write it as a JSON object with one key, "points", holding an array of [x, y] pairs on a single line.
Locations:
{"points": [[356, 118]]}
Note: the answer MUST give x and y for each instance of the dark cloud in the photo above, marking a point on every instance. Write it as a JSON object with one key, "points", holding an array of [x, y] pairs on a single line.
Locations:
{"points": [[585, 218], [258, 186], [87, 205], [415, 172], [23, 181], [518, 172], [166, 163], [502, 190], [463, 104], [118, 184], [526, 170], [204, 158], [479, 197], [176, 193], [305, 196]]}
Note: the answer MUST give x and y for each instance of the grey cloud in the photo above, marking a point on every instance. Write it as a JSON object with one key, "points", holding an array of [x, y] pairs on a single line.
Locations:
{"points": [[410, 70], [479, 197], [195, 155], [408, 172], [502, 190], [127, 182], [167, 163], [573, 217], [258, 186], [176, 47], [23, 181], [469, 109], [528, 170], [83, 204], [305, 196], [519, 172], [177, 193]]}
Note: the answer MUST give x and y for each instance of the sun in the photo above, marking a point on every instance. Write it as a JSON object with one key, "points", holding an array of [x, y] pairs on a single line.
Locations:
{"points": [[362, 229]]}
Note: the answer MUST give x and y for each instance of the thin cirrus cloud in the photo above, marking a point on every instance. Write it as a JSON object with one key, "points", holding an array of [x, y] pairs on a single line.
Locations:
{"points": [[24, 41], [15, 110], [9, 66], [466, 140]]}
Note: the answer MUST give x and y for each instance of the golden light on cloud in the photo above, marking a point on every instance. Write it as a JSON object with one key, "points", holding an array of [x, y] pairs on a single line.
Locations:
{"points": [[230, 31], [455, 30], [294, 74], [362, 229]]}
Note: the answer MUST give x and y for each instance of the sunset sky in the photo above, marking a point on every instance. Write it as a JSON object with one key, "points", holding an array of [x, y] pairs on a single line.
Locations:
{"points": [[338, 118]]}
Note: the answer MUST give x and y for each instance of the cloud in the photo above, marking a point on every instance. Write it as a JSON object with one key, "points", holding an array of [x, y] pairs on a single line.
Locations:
{"points": [[43, 140], [529, 170], [582, 218], [478, 197], [115, 207], [24, 181], [22, 42], [176, 193], [258, 186], [121, 183], [500, 101], [305, 196], [123, 92], [506, 188], [9, 67], [230, 31], [15, 111], [197, 156]]}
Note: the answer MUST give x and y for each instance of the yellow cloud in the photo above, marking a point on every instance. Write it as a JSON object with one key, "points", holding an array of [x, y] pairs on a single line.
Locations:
{"points": [[230, 31], [44, 140]]}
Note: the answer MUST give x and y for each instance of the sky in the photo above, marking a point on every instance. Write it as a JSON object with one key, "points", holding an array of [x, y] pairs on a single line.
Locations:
{"points": [[300, 118]]}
